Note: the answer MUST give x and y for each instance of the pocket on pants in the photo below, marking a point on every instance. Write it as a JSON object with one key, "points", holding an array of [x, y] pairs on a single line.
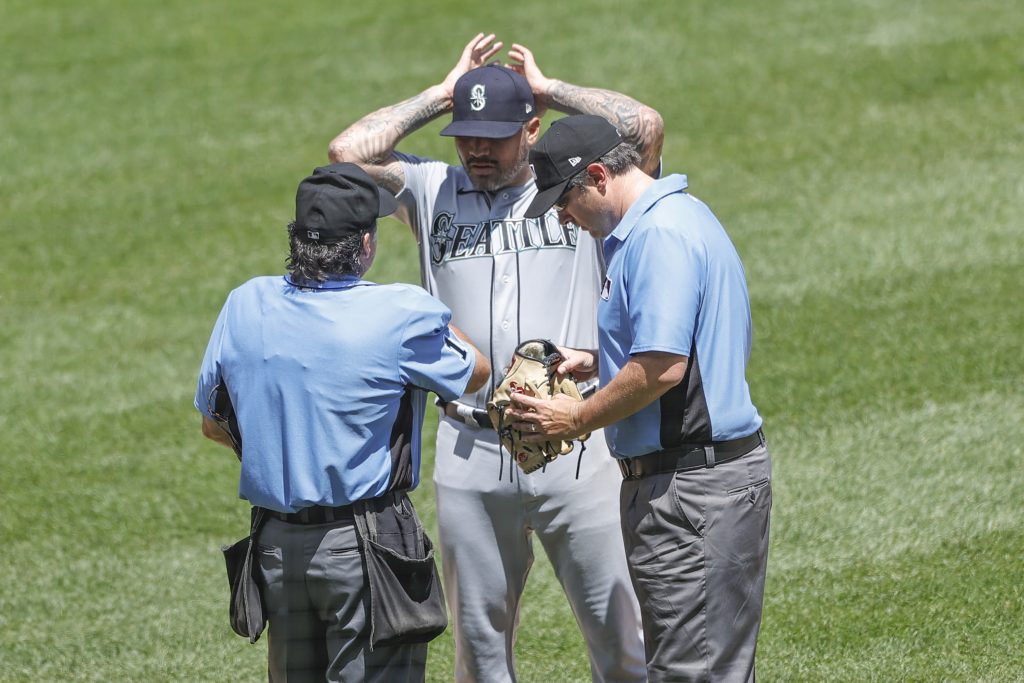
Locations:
{"points": [[406, 600], [246, 611], [740, 517], [660, 516], [751, 490], [689, 495]]}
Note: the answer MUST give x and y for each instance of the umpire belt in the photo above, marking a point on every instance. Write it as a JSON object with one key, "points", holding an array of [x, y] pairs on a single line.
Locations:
{"points": [[314, 514], [689, 457]]}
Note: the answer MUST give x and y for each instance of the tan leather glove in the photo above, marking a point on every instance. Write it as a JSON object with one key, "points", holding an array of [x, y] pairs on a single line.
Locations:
{"points": [[533, 373]]}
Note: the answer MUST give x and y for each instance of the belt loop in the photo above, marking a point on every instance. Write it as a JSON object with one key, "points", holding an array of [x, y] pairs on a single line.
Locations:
{"points": [[760, 435], [624, 468], [304, 515], [329, 514], [709, 455]]}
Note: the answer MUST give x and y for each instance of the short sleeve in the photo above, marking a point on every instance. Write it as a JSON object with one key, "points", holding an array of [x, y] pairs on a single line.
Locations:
{"points": [[422, 178], [664, 289], [432, 357], [210, 370]]}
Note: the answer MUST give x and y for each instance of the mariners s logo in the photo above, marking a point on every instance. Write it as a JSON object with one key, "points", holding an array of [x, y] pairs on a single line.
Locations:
{"points": [[477, 97], [442, 234]]}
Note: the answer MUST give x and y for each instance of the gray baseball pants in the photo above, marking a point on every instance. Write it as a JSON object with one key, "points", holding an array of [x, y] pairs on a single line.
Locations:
{"points": [[487, 525], [314, 587], [697, 547]]}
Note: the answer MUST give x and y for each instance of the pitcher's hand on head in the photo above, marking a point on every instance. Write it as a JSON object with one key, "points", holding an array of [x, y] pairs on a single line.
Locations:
{"points": [[476, 53], [525, 63]]}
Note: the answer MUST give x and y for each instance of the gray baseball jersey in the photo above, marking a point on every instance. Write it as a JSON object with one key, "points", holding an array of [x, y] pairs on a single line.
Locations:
{"points": [[474, 245], [508, 279]]}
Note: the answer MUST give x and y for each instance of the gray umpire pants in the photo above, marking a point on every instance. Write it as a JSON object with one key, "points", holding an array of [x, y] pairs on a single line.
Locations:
{"points": [[314, 586], [697, 547]]}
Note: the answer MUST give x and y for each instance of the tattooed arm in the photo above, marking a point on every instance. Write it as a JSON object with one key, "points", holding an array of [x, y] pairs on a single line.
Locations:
{"points": [[370, 142], [639, 124]]}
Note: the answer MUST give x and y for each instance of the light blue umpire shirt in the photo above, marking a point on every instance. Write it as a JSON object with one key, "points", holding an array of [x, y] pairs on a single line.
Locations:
{"points": [[676, 284], [329, 385]]}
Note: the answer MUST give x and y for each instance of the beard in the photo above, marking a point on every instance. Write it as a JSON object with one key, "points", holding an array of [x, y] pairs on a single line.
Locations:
{"points": [[503, 176]]}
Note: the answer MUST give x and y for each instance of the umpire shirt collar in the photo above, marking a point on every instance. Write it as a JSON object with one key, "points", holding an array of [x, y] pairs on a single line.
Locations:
{"points": [[650, 197], [340, 282]]}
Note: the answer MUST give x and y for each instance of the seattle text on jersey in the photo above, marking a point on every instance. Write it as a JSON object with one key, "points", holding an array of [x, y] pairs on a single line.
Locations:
{"points": [[450, 240]]}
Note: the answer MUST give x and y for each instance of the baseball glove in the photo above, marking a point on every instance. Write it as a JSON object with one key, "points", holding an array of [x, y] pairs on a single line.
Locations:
{"points": [[533, 373]]}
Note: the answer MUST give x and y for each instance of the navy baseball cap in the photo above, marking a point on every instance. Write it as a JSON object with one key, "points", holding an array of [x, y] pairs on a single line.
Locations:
{"points": [[338, 200], [490, 101], [565, 150]]}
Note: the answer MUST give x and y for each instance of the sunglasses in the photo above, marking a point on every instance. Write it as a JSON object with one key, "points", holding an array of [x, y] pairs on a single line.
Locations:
{"points": [[563, 200]]}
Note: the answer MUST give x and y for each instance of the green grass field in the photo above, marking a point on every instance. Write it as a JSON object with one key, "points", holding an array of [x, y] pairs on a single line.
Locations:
{"points": [[864, 155]]}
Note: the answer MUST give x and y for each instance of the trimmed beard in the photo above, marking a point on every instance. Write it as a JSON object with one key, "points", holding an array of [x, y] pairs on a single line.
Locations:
{"points": [[505, 177]]}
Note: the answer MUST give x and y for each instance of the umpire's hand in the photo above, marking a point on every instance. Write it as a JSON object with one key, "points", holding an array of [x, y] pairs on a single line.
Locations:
{"points": [[544, 420]]}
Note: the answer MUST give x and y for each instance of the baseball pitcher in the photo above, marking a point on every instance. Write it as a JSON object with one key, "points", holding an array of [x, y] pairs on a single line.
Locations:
{"points": [[509, 279]]}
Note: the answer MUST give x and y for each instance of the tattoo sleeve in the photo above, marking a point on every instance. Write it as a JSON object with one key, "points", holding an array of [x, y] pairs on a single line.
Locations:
{"points": [[639, 124], [370, 141]]}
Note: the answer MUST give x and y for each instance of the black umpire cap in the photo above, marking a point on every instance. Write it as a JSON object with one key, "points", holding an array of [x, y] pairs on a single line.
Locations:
{"points": [[564, 151], [338, 200]]}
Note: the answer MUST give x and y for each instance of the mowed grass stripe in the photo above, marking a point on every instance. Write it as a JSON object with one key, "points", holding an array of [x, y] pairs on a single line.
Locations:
{"points": [[117, 613], [881, 346], [949, 611], [865, 158], [872, 488]]}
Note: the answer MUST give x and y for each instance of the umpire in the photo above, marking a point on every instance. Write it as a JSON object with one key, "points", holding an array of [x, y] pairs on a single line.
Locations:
{"points": [[675, 335], [328, 375]]}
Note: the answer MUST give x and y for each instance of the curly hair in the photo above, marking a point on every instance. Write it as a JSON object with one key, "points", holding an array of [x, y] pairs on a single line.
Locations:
{"points": [[316, 262]]}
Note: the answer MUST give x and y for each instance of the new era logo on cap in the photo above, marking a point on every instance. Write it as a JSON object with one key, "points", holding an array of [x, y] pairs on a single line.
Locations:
{"points": [[573, 161]]}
